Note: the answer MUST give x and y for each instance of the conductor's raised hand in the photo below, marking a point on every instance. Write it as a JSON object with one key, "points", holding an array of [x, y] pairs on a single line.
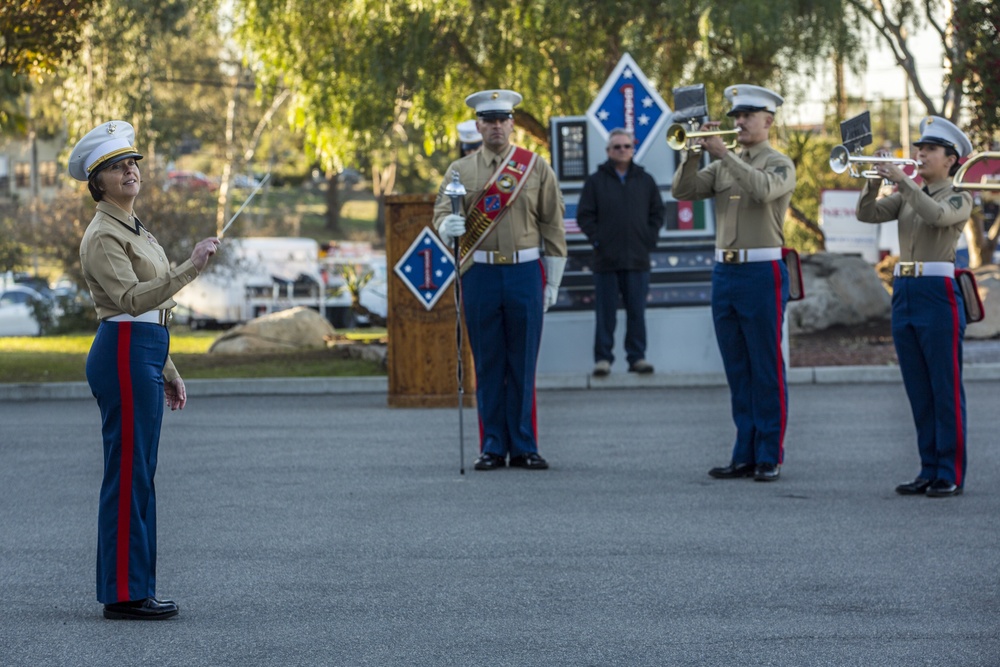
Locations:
{"points": [[204, 251]]}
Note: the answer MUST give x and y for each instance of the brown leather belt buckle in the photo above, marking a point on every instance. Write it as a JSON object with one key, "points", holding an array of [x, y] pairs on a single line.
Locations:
{"points": [[908, 269], [730, 257]]}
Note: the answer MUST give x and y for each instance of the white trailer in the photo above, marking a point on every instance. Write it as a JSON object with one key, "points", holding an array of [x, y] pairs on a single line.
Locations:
{"points": [[260, 275]]}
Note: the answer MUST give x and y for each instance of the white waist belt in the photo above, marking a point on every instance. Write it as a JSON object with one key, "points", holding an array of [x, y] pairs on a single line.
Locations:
{"points": [[150, 317], [741, 255], [918, 269], [519, 256]]}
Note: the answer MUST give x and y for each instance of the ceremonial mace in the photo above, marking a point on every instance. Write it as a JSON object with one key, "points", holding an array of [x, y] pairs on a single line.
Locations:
{"points": [[456, 193]]}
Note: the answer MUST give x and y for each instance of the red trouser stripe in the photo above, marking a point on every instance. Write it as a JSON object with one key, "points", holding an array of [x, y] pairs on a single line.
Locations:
{"points": [[534, 394], [125, 475], [781, 361], [956, 381]]}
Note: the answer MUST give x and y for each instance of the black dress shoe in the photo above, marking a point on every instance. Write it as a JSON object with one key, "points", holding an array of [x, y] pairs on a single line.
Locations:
{"points": [[942, 489], [149, 609], [489, 462], [766, 472], [732, 471], [529, 461], [915, 488]]}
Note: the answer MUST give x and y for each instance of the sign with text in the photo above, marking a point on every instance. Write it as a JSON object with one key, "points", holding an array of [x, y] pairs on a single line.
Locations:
{"points": [[630, 101], [845, 234]]}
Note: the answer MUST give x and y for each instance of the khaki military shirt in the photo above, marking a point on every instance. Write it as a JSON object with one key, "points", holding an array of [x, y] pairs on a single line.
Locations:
{"points": [[752, 191], [929, 224], [536, 216], [127, 271]]}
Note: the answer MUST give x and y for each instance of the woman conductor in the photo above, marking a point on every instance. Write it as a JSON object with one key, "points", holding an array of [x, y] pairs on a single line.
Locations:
{"points": [[928, 314], [128, 367]]}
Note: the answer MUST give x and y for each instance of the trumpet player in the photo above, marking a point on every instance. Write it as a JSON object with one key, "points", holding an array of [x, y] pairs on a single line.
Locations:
{"points": [[752, 190], [928, 314]]}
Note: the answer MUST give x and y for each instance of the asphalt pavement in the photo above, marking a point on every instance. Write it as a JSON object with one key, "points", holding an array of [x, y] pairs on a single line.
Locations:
{"points": [[324, 528]]}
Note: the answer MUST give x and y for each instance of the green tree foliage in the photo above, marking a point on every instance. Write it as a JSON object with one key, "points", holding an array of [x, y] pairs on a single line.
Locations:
{"points": [[969, 32], [977, 28], [126, 55], [364, 69], [12, 253], [36, 36]]}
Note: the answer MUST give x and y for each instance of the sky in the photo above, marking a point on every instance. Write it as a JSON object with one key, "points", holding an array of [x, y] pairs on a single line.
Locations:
{"points": [[882, 80]]}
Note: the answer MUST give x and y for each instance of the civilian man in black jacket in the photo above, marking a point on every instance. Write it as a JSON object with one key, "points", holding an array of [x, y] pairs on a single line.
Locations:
{"points": [[621, 212]]}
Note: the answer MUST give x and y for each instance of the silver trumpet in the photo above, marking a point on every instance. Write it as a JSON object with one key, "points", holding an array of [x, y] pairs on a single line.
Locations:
{"points": [[841, 160]]}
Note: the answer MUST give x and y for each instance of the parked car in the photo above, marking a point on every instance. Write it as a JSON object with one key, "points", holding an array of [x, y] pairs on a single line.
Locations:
{"points": [[190, 180], [17, 313], [244, 181]]}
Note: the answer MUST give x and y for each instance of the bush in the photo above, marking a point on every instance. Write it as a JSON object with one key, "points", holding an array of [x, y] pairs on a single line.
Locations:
{"points": [[78, 315]]}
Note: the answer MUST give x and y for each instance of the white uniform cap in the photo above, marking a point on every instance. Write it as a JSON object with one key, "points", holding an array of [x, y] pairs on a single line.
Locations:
{"points": [[103, 146], [492, 104], [746, 98], [941, 131], [468, 133]]}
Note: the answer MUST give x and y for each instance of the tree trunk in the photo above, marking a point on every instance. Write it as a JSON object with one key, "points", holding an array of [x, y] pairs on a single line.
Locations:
{"points": [[841, 87], [982, 242], [382, 184], [802, 219], [333, 202], [227, 166]]}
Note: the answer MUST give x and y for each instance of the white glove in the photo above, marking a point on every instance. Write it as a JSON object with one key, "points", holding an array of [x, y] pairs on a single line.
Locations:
{"points": [[554, 267], [450, 228]]}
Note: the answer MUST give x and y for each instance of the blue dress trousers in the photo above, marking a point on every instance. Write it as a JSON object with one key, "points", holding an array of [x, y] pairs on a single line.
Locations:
{"points": [[125, 373], [503, 315], [928, 325], [748, 307]]}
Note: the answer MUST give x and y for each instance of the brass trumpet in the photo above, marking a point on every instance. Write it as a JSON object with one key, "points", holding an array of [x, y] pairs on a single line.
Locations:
{"points": [[841, 160], [960, 174], [677, 137]]}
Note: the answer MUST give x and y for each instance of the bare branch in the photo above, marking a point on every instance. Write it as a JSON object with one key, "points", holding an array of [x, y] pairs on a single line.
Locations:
{"points": [[894, 33], [264, 122]]}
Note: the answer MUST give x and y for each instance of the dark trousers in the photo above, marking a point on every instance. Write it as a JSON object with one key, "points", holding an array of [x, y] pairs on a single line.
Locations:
{"points": [[748, 307], [928, 325], [502, 305], [125, 372], [633, 288]]}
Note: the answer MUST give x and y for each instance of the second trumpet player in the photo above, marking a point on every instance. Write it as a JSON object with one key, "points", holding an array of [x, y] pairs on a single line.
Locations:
{"points": [[751, 190]]}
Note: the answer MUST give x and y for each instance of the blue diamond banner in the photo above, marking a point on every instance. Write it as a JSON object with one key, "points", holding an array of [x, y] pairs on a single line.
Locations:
{"points": [[427, 268], [629, 100]]}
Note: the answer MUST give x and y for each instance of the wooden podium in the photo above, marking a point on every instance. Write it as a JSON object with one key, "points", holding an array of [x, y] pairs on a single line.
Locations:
{"points": [[421, 354]]}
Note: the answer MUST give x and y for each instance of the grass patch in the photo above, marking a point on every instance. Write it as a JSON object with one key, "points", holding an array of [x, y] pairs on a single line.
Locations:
{"points": [[64, 359]]}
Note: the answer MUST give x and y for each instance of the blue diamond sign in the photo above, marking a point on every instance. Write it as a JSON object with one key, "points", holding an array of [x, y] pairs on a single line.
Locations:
{"points": [[427, 268], [628, 100]]}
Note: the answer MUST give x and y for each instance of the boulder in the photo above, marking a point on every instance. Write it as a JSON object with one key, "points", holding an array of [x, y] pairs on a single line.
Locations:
{"points": [[840, 291], [988, 279], [285, 331]]}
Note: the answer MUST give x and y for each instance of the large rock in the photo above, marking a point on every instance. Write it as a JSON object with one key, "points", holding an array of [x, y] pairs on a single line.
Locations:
{"points": [[840, 290], [284, 331], [988, 278]]}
